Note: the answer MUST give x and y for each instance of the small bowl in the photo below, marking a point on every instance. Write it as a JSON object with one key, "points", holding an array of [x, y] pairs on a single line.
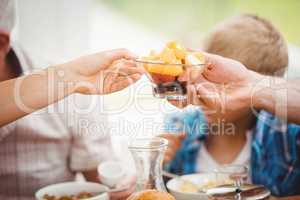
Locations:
{"points": [[110, 173], [73, 188], [171, 87]]}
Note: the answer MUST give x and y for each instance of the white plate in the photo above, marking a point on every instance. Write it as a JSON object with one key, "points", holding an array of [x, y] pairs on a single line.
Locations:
{"points": [[73, 188], [174, 186]]}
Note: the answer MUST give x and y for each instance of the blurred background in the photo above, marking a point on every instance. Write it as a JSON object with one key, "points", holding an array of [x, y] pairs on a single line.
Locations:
{"points": [[54, 31], [189, 20]]}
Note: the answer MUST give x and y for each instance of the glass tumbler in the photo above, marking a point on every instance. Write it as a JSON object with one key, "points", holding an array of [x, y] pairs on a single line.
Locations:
{"points": [[237, 173], [148, 157]]}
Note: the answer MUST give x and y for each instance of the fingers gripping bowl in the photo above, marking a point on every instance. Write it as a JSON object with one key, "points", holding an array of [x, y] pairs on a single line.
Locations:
{"points": [[170, 70]]}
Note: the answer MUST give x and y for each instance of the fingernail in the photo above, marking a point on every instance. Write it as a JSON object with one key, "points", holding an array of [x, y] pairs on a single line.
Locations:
{"points": [[209, 66]]}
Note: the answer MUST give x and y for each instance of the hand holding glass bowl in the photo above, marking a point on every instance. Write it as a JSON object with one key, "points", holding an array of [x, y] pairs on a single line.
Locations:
{"points": [[170, 70]]}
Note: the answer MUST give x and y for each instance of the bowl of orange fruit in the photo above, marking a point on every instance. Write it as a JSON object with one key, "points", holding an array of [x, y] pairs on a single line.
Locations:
{"points": [[171, 69]]}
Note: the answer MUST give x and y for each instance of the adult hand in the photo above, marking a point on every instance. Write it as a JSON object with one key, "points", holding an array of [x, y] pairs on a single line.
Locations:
{"points": [[173, 146], [102, 73], [224, 70], [224, 84], [218, 74]]}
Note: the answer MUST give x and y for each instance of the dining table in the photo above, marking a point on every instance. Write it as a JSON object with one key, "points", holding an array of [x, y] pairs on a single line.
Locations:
{"points": [[286, 198]]}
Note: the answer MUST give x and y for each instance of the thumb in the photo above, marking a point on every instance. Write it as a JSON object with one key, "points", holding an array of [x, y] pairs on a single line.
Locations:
{"points": [[195, 74], [118, 54], [212, 59], [213, 63]]}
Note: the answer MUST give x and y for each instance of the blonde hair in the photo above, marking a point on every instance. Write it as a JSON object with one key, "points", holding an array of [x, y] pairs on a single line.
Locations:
{"points": [[253, 41]]}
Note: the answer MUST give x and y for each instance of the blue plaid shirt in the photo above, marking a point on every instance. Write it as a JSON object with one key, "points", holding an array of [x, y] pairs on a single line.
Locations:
{"points": [[275, 149]]}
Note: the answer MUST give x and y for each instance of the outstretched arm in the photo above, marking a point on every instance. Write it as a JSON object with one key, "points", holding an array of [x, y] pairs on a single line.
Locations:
{"points": [[245, 88], [100, 73], [279, 96]]}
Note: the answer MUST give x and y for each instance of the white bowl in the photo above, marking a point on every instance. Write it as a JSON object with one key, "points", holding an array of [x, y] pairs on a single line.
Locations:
{"points": [[174, 186], [73, 188], [111, 173]]}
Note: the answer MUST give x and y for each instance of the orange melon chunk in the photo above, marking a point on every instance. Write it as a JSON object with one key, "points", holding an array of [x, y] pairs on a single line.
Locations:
{"points": [[172, 54]]}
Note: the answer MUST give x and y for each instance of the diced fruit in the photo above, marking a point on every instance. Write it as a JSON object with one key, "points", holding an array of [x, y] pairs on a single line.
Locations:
{"points": [[180, 53], [173, 70], [168, 56], [160, 78], [172, 44], [195, 72], [158, 69], [146, 66], [191, 59], [153, 56], [200, 56], [173, 53]]}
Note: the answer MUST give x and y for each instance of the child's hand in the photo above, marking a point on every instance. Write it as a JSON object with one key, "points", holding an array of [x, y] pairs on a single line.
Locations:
{"points": [[173, 146], [102, 73]]}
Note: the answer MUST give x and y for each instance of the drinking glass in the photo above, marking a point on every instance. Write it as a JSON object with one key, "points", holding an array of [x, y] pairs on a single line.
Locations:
{"points": [[237, 173], [148, 156]]}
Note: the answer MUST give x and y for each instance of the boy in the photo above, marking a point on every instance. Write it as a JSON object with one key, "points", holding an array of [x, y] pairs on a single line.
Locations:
{"points": [[270, 150]]}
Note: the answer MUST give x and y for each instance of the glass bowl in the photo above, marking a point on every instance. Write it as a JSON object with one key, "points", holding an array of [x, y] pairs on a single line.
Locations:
{"points": [[169, 80]]}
